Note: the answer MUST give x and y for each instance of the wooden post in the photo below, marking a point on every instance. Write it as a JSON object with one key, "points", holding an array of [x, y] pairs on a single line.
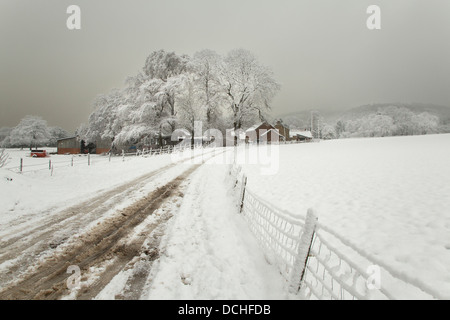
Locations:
{"points": [[21, 164], [71, 162], [304, 248], [89, 159], [244, 184], [123, 155], [109, 156], [49, 164]]}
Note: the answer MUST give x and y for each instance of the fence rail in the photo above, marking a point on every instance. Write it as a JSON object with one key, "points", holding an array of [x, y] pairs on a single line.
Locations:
{"points": [[313, 259], [87, 160]]}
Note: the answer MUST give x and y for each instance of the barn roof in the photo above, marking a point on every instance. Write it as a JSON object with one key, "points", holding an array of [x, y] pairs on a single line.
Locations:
{"points": [[68, 138], [306, 134], [256, 126], [274, 130]]}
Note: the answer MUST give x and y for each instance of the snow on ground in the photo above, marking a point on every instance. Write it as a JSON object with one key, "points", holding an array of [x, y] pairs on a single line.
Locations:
{"points": [[208, 251], [389, 196], [38, 189]]}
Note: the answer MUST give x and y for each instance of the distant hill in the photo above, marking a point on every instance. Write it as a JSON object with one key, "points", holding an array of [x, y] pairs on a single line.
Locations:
{"points": [[302, 118], [442, 112]]}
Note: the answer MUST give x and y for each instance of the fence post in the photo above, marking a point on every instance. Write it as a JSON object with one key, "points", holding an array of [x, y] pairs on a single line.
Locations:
{"points": [[304, 248], [71, 163], [123, 155], [21, 164], [89, 159], [244, 184], [49, 164]]}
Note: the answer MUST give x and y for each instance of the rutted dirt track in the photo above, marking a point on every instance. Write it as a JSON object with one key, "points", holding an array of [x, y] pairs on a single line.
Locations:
{"points": [[110, 246]]}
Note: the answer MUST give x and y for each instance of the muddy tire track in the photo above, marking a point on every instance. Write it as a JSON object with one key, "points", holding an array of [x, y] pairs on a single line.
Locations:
{"points": [[85, 207], [106, 242], [142, 267], [27, 243]]}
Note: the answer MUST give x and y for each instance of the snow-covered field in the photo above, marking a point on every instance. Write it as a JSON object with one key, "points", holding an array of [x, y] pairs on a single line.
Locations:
{"points": [[388, 196], [39, 189]]}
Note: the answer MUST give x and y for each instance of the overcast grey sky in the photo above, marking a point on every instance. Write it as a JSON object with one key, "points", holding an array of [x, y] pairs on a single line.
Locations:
{"points": [[320, 50]]}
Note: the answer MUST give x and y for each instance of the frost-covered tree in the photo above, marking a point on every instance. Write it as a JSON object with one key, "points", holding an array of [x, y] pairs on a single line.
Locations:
{"points": [[401, 118], [389, 121], [32, 131], [166, 66], [425, 123], [148, 113], [248, 85], [57, 133], [174, 90], [191, 107], [105, 122], [376, 125], [4, 133], [328, 131], [205, 65], [149, 104], [340, 128]]}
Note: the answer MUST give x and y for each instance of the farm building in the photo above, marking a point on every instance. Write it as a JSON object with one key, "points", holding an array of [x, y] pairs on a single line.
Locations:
{"points": [[75, 145], [263, 132], [271, 136], [301, 136], [69, 145], [164, 140], [103, 146], [282, 130]]}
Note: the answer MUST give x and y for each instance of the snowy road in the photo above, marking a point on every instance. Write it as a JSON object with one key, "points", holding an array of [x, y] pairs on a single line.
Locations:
{"points": [[208, 251], [118, 229], [85, 237]]}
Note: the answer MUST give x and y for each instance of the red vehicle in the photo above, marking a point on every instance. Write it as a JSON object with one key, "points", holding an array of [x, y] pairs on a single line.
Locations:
{"points": [[38, 153]]}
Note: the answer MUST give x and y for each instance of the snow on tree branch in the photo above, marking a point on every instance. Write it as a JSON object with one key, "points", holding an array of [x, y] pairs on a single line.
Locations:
{"points": [[173, 91]]}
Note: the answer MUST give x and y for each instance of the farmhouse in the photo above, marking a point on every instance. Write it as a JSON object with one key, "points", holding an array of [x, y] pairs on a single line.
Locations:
{"points": [[263, 132], [272, 136], [301, 136], [282, 130]]}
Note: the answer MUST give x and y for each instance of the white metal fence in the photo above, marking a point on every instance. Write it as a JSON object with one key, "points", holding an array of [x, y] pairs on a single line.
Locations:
{"points": [[314, 260], [30, 164]]}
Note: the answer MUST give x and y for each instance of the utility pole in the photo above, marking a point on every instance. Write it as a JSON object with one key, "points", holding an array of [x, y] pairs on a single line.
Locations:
{"points": [[315, 124], [313, 130]]}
